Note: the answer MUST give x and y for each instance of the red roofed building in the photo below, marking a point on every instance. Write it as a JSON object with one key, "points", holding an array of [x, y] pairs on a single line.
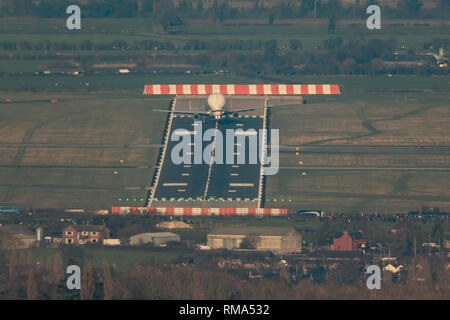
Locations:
{"points": [[348, 241], [76, 234]]}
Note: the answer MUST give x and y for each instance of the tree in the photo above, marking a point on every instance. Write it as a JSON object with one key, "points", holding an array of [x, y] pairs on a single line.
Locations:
{"points": [[107, 282], [87, 281], [413, 6], [251, 241], [58, 268], [345, 273], [287, 10], [348, 66], [438, 230], [376, 66], [32, 292], [333, 43], [13, 265], [306, 6], [200, 6], [141, 63], [332, 25], [294, 44], [170, 20], [86, 65]]}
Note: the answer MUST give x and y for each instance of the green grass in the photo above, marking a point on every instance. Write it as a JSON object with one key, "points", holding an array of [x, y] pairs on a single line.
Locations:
{"points": [[124, 83], [104, 30], [391, 118], [110, 109], [134, 83], [79, 176], [371, 110]]}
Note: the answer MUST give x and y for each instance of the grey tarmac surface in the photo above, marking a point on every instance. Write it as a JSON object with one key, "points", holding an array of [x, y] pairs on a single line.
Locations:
{"points": [[218, 185]]}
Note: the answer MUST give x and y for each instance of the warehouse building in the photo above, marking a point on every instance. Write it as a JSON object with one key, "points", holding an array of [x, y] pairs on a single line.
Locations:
{"points": [[157, 238], [276, 239]]}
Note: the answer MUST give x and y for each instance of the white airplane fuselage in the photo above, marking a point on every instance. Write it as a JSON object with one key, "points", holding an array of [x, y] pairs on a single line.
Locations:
{"points": [[216, 102]]}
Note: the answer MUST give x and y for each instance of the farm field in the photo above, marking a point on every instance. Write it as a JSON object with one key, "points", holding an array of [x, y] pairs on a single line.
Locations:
{"points": [[96, 145], [310, 33], [361, 135], [84, 152], [74, 159]]}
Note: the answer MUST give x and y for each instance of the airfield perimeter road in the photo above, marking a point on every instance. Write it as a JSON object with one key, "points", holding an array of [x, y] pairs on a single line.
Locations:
{"points": [[221, 185]]}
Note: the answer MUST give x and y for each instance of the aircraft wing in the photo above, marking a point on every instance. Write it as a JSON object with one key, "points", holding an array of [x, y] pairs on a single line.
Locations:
{"points": [[183, 112], [238, 110]]}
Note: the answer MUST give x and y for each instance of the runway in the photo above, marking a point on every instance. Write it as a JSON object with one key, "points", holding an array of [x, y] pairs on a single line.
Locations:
{"points": [[210, 184]]}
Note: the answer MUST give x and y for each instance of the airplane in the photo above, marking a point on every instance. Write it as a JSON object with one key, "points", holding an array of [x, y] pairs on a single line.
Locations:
{"points": [[215, 108]]}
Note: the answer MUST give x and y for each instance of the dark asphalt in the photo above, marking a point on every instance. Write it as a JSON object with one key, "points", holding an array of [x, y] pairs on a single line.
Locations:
{"points": [[194, 177]]}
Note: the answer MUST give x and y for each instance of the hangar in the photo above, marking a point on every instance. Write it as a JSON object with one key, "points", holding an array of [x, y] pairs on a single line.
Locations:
{"points": [[279, 240], [157, 238]]}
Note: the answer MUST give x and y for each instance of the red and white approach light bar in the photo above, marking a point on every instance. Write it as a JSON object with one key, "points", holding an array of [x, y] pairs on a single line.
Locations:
{"points": [[258, 212], [241, 89]]}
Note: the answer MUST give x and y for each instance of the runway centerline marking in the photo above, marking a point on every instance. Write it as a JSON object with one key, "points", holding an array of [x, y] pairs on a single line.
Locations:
{"points": [[211, 162], [242, 184]]}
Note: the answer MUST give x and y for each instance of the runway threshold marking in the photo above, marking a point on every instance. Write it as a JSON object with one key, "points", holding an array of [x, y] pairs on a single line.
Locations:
{"points": [[175, 184], [241, 184], [184, 133]]}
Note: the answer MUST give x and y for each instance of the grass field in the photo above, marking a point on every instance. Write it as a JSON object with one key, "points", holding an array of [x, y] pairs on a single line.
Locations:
{"points": [[65, 170], [389, 119], [410, 34], [68, 154], [124, 126]]}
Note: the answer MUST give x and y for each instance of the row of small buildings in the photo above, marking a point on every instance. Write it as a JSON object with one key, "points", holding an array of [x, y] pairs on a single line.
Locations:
{"points": [[279, 240]]}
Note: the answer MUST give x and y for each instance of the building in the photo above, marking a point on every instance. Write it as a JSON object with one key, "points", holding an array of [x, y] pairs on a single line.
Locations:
{"points": [[173, 225], [9, 209], [348, 241], [16, 237], [276, 239], [76, 234], [112, 242], [157, 238]]}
